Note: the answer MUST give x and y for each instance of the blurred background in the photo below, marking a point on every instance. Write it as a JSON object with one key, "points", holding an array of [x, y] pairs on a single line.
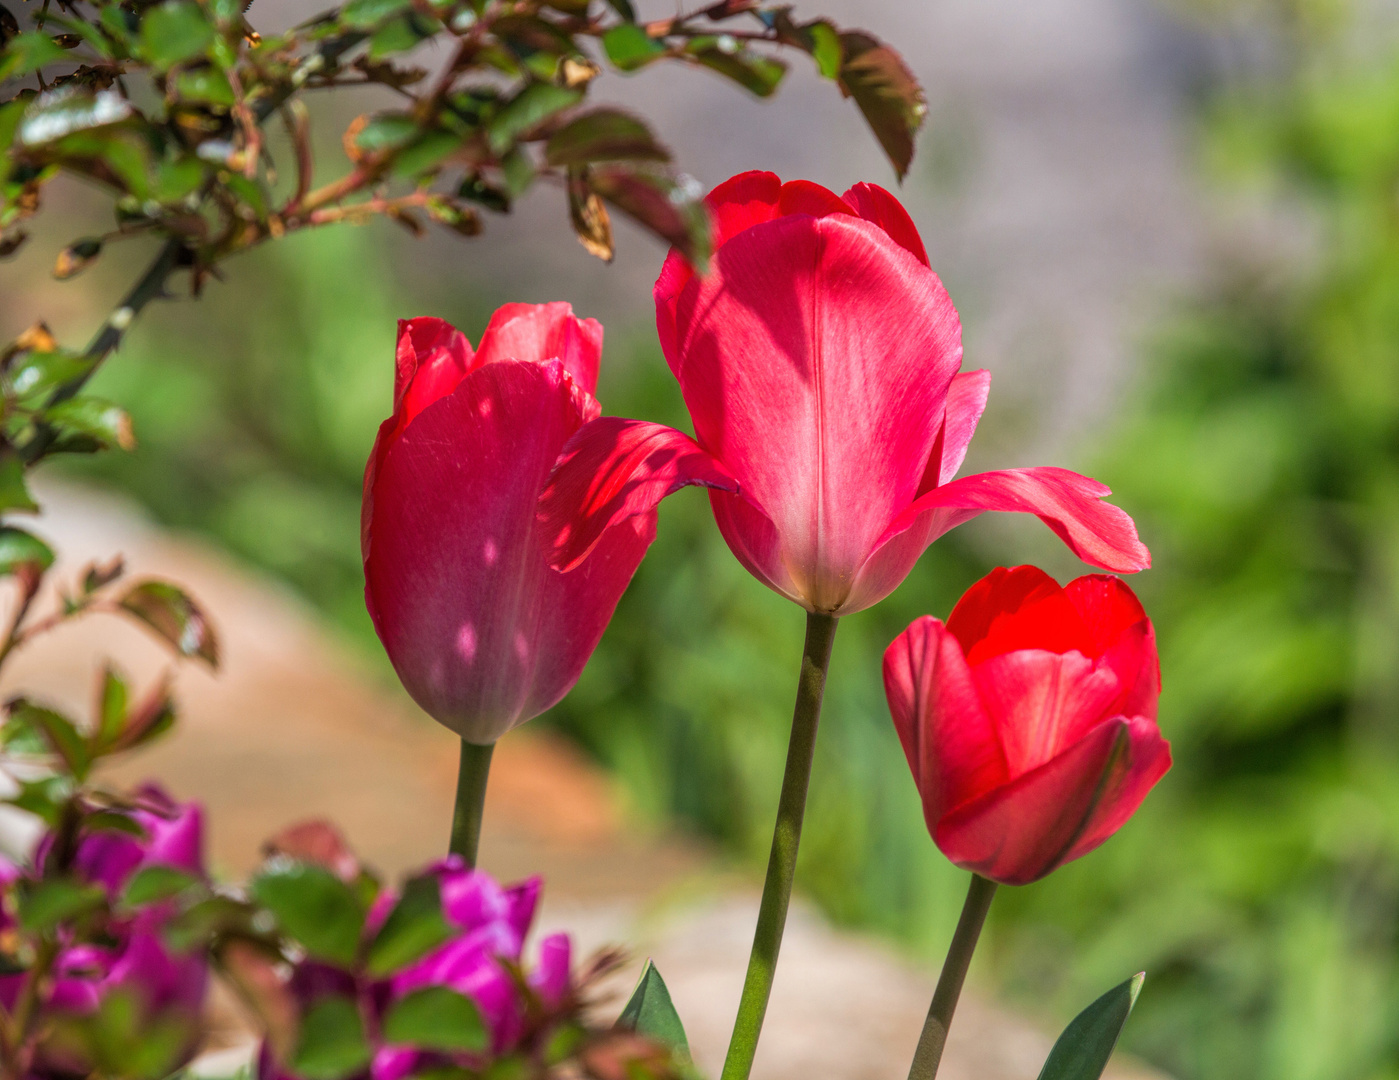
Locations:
{"points": [[1172, 231]]}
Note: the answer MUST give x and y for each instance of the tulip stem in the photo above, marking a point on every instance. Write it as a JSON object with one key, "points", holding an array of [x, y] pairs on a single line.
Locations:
{"points": [[786, 835], [954, 973], [473, 771]]}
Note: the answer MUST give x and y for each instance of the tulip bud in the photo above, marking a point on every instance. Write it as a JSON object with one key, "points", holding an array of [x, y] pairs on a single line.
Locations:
{"points": [[1029, 719]]}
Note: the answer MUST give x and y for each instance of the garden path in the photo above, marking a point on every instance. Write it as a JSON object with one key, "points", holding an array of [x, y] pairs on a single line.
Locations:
{"points": [[292, 728]]}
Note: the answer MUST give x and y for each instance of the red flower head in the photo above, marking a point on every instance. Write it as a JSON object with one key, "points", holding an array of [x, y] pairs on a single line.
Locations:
{"points": [[819, 361], [482, 632], [1029, 719]]}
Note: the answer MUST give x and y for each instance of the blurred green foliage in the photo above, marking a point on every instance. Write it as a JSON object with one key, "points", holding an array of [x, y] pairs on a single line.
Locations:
{"points": [[1259, 885]]}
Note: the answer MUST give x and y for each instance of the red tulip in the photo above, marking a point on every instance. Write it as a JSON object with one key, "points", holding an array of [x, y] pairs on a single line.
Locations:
{"points": [[819, 361], [1029, 719], [482, 632]]}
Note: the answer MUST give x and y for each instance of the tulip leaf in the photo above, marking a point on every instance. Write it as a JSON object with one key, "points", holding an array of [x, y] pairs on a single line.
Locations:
{"points": [[1082, 1051], [603, 135], [436, 1018], [332, 1043], [650, 1011], [886, 92], [313, 906], [413, 928], [171, 613]]}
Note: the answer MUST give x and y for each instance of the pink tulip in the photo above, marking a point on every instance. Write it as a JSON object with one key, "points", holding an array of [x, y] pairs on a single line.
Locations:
{"points": [[483, 634], [819, 361], [1029, 719]]}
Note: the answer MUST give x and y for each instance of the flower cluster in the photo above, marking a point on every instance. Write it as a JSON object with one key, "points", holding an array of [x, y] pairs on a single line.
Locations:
{"points": [[114, 966]]}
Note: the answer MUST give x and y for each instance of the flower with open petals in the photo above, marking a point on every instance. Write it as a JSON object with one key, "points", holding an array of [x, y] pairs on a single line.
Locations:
{"points": [[819, 360], [1029, 719]]}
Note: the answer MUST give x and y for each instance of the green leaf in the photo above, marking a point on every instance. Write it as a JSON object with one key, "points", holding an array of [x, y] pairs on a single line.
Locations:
{"points": [[14, 492], [10, 114], [28, 53], [427, 153], [651, 1012], [436, 1018], [37, 374], [20, 549], [151, 884], [624, 9], [886, 92], [629, 47], [825, 48], [174, 32], [70, 109], [206, 84], [400, 35], [95, 417], [670, 207], [45, 904], [111, 708], [176, 179], [388, 131], [332, 1043], [171, 613], [414, 928], [59, 732], [313, 906], [759, 75], [1082, 1051], [603, 135], [363, 14], [533, 104]]}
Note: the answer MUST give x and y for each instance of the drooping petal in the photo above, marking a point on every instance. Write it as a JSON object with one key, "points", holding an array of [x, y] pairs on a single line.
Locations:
{"points": [[540, 332], [1018, 833], [1040, 702], [613, 469], [1071, 505], [848, 346], [948, 737], [875, 204], [481, 632]]}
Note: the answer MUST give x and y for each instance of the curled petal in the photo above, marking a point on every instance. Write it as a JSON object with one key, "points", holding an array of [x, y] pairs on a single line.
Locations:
{"points": [[966, 401], [947, 736], [613, 469], [432, 359], [1060, 811]]}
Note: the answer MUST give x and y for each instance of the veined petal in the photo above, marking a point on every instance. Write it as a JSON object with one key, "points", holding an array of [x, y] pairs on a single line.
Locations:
{"points": [[613, 469], [1070, 504], [948, 738], [540, 332], [816, 361], [1021, 831]]}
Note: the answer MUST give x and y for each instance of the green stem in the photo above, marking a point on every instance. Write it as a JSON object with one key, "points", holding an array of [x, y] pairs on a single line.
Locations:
{"points": [[954, 973], [782, 862], [473, 770]]}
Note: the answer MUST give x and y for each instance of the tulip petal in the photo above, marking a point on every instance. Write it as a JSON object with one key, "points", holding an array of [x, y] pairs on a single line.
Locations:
{"points": [[1018, 608], [1071, 505], [613, 469], [966, 401], [851, 345], [541, 332], [875, 204], [482, 633], [431, 360], [1065, 808], [1123, 635], [1041, 702], [947, 736]]}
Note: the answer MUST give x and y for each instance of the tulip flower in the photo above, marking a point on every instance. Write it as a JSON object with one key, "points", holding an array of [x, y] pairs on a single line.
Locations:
{"points": [[1029, 719], [819, 360], [482, 632]]}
